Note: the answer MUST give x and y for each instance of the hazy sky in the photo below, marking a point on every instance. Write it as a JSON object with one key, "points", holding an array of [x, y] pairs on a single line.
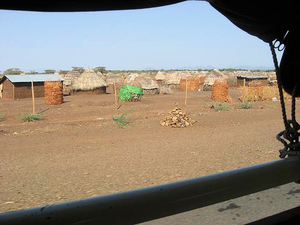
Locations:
{"points": [[190, 34]]}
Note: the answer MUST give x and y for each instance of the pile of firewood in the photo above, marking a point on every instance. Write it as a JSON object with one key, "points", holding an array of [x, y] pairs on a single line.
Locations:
{"points": [[177, 118]]}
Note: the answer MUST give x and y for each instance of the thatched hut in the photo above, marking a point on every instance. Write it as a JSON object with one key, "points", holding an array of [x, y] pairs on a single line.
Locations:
{"points": [[185, 75], [173, 80], [160, 78], [148, 85], [70, 78], [210, 79], [101, 75], [112, 79], [89, 83]]}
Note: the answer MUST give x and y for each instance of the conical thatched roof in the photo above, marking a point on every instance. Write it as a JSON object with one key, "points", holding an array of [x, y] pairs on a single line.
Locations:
{"points": [[71, 76], [113, 78], [131, 77], [101, 75], [173, 78], [147, 83], [185, 75], [160, 76], [212, 76], [88, 81]]}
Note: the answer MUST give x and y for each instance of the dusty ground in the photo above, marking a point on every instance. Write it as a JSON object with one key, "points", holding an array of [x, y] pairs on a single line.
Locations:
{"points": [[78, 151]]}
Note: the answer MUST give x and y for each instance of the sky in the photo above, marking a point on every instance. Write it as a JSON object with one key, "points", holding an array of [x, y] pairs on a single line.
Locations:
{"points": [[188, 35]]}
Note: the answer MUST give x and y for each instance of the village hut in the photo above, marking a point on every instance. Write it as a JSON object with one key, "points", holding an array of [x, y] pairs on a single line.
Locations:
{"points": [[70, 78], [245, 80], [210, 79], [185, 75], [131, 79], [112, 79], [101, 75], [149, 86], [89, 83], [189, 84], [173, 80], [160, 78], [19, 86]]}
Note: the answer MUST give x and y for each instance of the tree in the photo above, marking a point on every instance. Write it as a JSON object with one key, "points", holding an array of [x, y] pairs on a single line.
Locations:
{"points": [[49, 71], [33, 72], [12, 71], [63, 71], [101, 69], [78, 68]]}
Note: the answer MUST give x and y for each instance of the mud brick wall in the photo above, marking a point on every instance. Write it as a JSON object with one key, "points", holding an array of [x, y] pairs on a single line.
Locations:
{"points": [[8, 90], [23, 90]]}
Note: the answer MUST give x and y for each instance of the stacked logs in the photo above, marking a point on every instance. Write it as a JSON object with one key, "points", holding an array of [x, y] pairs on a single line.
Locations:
{"points": [[53, 92], [177, 119]]}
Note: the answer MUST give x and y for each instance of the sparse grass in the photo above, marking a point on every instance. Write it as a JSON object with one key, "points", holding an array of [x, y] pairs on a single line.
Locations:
{"points": [[1, 116], [32, 117], [219, 107], [121, 120], [245, 105]]}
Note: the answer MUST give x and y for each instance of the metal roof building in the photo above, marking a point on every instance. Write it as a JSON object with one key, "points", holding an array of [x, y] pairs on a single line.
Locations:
{"points": [[245, 80], [19, 86], [34, 78]]}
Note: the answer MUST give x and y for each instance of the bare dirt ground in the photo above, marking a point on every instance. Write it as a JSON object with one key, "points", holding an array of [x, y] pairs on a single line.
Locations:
{"points": [[78, 150]]}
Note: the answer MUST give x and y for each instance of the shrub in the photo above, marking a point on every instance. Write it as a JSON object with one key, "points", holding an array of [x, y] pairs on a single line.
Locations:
{"points": [[121, 120], [32, 117], [220, 107], [1, 116], [246, 105]]}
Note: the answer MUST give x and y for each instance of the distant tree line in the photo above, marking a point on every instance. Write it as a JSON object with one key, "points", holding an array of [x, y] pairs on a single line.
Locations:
{"points": [[103, 70]]}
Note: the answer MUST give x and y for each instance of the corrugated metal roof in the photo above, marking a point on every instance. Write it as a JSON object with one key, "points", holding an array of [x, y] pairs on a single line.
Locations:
{"points": [[34, 78], [252, 77]]}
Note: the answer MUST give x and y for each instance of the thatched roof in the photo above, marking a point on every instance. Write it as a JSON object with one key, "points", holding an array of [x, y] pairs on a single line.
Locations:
{"points": [[185, 75], [212, 76], [89, 80], [131, 77], [71, 77], [173, 78], [101, 75], [160, 76], [113, 78], [147, 83]]}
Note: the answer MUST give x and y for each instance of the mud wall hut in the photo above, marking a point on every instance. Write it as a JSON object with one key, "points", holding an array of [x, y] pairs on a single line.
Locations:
{"points": [[19, 86], [89, 83]]}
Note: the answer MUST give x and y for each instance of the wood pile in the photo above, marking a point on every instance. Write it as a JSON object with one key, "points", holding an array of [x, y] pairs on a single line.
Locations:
{"points": [[177, 119], [220, 91], [53, 92]]}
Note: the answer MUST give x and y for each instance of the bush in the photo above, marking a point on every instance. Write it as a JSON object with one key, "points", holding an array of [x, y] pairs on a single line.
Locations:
{"points": [[220, 107], [246, 105], [1, 116], [32, 117], [121, 120]]}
